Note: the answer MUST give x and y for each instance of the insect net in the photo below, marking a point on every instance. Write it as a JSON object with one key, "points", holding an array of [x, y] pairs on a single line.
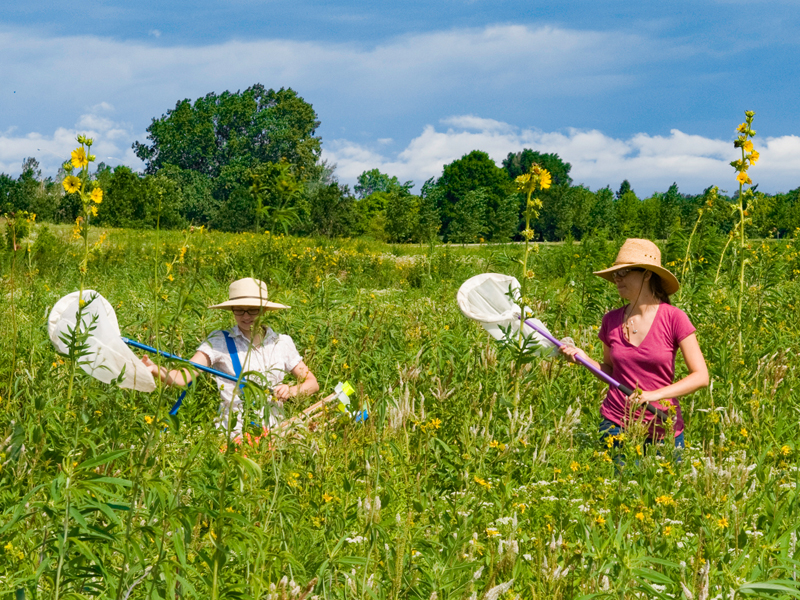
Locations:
{"points": [[489, 299], [106, 355]]}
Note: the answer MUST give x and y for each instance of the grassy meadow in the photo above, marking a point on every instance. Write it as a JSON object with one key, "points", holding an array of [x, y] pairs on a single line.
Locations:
{"points": [[453, 488]]}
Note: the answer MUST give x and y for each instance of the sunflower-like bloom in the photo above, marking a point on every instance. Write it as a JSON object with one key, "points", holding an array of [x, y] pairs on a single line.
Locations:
{"points": [[748, 146], [753, 156], [743, 178], [79, 159], [545, 179], [97, 195], [71, 184], [742, 128]]}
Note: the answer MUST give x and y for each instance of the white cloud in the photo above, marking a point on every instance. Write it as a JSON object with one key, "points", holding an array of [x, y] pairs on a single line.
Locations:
{"points": [[649, 162], [112, 142]]}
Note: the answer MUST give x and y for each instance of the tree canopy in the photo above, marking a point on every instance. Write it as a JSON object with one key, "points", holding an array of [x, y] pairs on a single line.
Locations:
{"points": [[257, 125]]}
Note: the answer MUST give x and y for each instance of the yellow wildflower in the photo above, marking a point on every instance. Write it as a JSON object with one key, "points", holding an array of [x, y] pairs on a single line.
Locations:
{"points": [[492, 532], [71, 184], [742, 128], [79, 159], [753, 156], [574, 466], [327, 497], [667, 530], [748, 146], [743, 431], [148, 419], [743, 178], [722, 523], [545, 179], [97, 195], [666, 500], [600, 520], [640, 516], [786, 450]]}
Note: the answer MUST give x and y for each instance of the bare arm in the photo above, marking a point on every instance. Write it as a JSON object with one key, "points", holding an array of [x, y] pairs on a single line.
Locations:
{"points": [[306, 383], [696, 379], [570, 352], [177, 377]]}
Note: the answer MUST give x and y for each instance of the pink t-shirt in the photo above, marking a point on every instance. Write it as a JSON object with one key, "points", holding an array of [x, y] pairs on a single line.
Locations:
{"points": [[651, 364]]}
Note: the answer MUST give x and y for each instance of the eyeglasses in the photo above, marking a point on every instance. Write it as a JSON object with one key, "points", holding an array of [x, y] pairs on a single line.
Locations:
{"points": [[253, 312], [624, 272]]}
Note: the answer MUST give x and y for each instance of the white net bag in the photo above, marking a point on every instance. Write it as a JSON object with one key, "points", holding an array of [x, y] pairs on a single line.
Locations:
{"points": [[107, 354], [487, 298]]}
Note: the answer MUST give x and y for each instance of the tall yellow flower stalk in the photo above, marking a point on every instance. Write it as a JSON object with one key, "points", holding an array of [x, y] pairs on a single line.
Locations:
{"points": [[537, 178], [79, 181], [749, 157]]}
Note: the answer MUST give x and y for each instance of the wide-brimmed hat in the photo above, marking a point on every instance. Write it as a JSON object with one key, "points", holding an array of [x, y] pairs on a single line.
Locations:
{"points": [[643, 254], [248, 293]]}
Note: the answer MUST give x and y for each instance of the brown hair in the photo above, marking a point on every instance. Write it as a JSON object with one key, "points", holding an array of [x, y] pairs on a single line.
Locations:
{"points": [[657, 288]]}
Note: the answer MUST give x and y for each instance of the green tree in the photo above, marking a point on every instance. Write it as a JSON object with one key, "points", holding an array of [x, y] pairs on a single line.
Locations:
{"points": [[469, 221], [402, 217], [332, 209], [470, 173], [373, 181], [429, 220], [257, 125], [370, 218], [627, 211], [278, 196], [518, 163], [601, 217], [124, 204], [624, 188], [198, 205]]}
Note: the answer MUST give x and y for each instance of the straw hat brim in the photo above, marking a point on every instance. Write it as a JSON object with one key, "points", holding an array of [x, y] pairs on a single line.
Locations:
{"points": [[249, 303], [668, 281]]}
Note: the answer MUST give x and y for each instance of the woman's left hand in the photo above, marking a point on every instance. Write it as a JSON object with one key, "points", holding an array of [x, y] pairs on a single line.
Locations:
{"points": [[283, 391], [644, 397]]}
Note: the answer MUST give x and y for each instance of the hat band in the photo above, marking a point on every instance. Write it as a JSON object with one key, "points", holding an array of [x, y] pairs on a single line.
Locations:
{"points": [[243, 297]]}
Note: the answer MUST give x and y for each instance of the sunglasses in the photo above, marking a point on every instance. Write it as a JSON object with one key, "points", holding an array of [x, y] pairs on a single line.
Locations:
{"points": [[253, 312], [624, 272]]}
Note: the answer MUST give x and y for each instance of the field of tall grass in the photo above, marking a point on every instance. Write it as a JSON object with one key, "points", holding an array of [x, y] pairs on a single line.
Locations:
{"points": [[453, 488]]}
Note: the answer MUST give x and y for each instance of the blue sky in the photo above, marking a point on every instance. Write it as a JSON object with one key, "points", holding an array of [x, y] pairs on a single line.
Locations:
{"points": [[648, 91]]}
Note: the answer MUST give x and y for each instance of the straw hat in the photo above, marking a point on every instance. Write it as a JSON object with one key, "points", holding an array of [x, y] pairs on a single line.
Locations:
{"points": [[643, 254], [248, 293]]}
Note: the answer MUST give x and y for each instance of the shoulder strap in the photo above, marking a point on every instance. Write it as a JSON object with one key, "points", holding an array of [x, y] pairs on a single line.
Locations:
{"points": [[234, 354]]}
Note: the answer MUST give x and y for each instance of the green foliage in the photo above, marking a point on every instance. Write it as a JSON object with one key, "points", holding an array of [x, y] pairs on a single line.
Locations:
{"points": [[332, 211], [373, 181], [124, 201], [519, 163], [402, 217], [245, 128], [467, 175], [469, 221], [454, 495]]}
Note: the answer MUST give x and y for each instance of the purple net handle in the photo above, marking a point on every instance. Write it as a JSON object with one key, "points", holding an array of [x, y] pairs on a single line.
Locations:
{"points": [[597, 372]]}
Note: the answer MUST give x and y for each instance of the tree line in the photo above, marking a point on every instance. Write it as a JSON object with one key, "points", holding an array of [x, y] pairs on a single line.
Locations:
{"points": [[251, 161]]}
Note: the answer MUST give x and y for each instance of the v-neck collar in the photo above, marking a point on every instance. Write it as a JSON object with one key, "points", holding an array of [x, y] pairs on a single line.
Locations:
{"points": [[268, 335], [647, 335]]}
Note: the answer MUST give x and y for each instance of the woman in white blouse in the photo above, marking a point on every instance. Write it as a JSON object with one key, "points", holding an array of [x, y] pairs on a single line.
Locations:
{"points": [[243, 349]]}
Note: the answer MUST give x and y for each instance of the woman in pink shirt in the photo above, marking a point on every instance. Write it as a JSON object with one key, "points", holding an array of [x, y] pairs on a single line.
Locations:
{"points": [[640, 342]]}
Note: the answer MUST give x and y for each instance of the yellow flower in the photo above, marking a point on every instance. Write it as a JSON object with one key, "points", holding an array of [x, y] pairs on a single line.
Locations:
{"points": [[666, 500], [640, 516], [600, 520], [545, 179], [71, 184], [743, 178], [743, 431], [722, 523], [94, 210], [327, 497], [748, 146], [667, 530], [742, 128], [79, 159], [97, 195], [574, 466], [753, 156], [786, 451], [148, 420], [492, 532]]}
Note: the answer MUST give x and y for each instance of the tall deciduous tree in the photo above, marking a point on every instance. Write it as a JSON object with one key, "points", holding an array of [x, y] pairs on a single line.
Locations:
{"points": [[472, 172], [257, 125], [373, 181], [518, 163]]}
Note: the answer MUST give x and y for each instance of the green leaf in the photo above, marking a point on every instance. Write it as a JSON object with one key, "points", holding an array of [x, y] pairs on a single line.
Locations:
{"points": [[102, 459]]}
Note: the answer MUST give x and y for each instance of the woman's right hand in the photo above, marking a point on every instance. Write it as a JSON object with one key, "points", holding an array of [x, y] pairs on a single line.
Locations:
{"points": [[571, 353], [151, 366]]}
